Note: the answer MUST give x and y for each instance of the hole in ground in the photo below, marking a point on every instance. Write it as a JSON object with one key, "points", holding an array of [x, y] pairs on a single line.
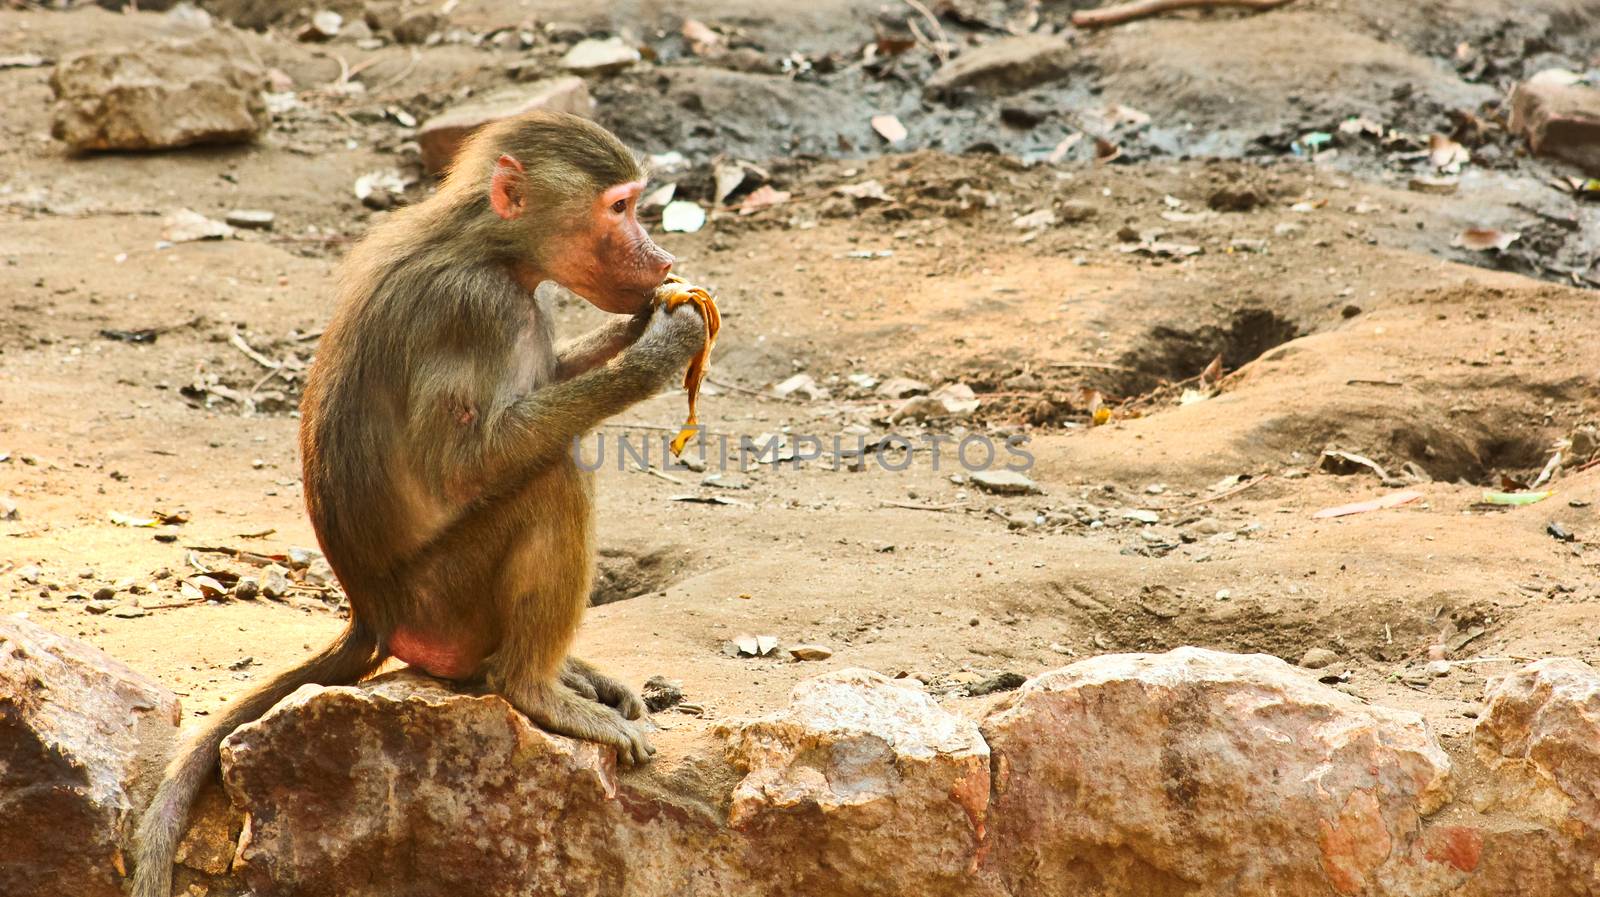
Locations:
{"points": [[628, 572], [1169, 353]]}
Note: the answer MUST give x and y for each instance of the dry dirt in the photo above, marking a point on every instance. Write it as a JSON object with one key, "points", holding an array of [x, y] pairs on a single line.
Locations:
{"points": [[1351, 324]]}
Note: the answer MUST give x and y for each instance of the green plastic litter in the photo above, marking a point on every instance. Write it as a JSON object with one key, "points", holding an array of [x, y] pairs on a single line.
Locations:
{"points": [[1516, 498]]}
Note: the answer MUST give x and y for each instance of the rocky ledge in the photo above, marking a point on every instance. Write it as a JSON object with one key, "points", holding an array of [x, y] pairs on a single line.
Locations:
{"points": [[1192, 772]]}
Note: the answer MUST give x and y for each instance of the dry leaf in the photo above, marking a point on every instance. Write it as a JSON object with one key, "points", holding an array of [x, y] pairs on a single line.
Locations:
{"points": [[1483, 239], [1446, 154], [763, 197]]}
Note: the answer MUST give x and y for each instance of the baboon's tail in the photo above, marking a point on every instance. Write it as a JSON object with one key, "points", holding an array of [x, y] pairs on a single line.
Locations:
{"points": [[351, 656]]}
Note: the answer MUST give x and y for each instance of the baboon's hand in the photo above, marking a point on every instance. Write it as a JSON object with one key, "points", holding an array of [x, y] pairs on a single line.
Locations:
{"points": [[670, 339]]}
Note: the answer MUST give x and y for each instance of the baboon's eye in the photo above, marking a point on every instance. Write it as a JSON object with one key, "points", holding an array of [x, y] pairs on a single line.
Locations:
{"points": [[619, 206]]}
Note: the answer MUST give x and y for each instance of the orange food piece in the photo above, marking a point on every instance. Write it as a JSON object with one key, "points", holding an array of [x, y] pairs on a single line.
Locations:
{"points": [[675, 292]]}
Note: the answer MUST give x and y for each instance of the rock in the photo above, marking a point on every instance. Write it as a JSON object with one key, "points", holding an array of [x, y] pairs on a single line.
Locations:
{"points": [[189, 226], [501, 806], [274, 582], [324, 26], [597, 57], [251, 219], [1205, 774], [950, 400], [1074, 211], [1141, 515], [1004, 482], [440, 137], [1538, 739], [810, 652], [248, 588], [900, 387], [1318, 658], [417, 26], [860, 782], [1006, 65], [78, 734], [659, 693], [802, 385], [1038, 220], [1560, 121], [8, 508], [158, 96]]}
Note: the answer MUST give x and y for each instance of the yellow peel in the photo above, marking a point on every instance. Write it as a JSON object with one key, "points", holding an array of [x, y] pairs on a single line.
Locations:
{"points": [[675, 292]]}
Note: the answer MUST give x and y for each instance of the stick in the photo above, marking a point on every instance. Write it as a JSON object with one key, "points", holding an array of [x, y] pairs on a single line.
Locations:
{"points": [[1229, 493], [1140, 9], [911, 507], [1099, 365]]}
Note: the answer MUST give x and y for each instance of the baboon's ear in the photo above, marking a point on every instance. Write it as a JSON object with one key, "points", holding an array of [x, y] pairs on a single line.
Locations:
{"points": [[505, 189]]}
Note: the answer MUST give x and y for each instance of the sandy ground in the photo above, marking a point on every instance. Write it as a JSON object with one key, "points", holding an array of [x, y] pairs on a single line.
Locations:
{"points": [[1343, 317]]}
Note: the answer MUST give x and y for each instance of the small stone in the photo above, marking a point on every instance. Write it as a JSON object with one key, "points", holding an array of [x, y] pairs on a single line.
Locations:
{"points": [[274, 582], [810, 652], [324, 25], [1007, 64], [1224, 594], [1318, 658], [29, 574], [417, 26], [595, 56], [1438, 668], [189, 226], [997, 683], [901, 387], [1559, 532], [248, 588], [8, 508], [128, 611], [1141, 515], [86, 573], [251, 219], [802, 385], [105, 593], [659, 693], [1004, 482]]}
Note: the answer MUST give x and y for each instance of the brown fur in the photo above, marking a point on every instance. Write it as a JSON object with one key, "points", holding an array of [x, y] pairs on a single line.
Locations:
{"points": [[437, 425]]}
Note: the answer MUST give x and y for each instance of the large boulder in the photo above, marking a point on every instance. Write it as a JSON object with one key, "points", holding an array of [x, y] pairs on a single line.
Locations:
{"points": [[1007, 64], [157, 96], [861, 786], [1201, 773], [1539, 741], [81, 740], [401, 786], [1560, 121], [441, 137]]}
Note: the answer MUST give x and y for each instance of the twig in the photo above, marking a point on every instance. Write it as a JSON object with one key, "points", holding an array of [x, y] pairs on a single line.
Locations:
{"points": [[405, 73], [1098, 365], [238, 343], [940, 44], [1228, 493], [1140, 9], [1361, 381], [665, 476], [911, 507]]}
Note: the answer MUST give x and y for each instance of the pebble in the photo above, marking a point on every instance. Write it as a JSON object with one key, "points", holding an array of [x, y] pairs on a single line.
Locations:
{"points": [[1437, 668], [248, 588], [810, 652], [251, 219], [1318, 658], [274, 582], [1224, 594], [596, 56], [29, 574], [128, 611], [1141, 515], [659, 693], [105, 593], [1004, 482]]}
